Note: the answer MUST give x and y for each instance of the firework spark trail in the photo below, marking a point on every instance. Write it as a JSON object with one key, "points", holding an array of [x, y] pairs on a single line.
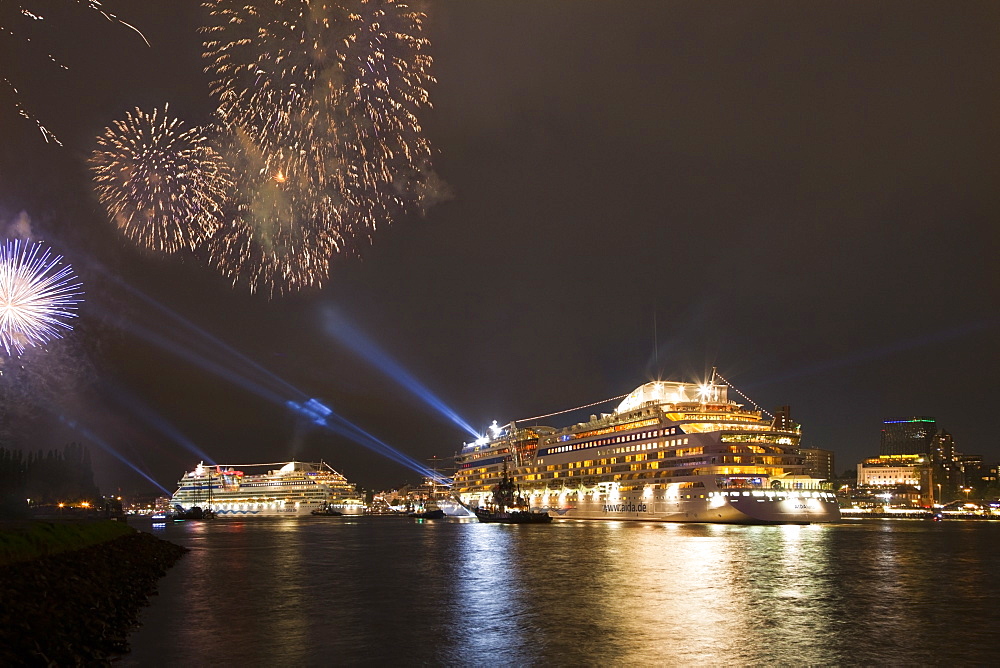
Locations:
{"points": [[163, 185], [37, 296], [96, 6], [21, 9], [321, 99]]}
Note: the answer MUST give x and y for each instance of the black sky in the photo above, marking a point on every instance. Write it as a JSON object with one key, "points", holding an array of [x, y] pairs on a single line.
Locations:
{"points": [[804, 194]]}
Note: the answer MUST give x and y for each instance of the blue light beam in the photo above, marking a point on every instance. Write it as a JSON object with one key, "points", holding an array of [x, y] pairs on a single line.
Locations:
{"points": [[317, 412], [104, 445], [216, 345], [158, 422], [337, 325], [323, 416]]}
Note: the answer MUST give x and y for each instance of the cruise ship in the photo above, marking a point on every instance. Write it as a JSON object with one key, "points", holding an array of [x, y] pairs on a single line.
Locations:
{"points": [[293, 488], [671, 451]]}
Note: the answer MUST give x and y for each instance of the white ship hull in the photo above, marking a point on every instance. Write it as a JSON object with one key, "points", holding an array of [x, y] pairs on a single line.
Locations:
{"points": [[740, 511], [244, 510]]}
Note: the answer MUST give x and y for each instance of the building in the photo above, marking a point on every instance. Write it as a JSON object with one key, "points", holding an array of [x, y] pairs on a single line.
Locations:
{"points": [[891, 471], [819, 463], [915, 453], [942, 447], [907, 436]]}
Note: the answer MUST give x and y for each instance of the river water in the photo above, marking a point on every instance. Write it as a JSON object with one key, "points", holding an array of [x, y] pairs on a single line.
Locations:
{"points": [[378, 591]]}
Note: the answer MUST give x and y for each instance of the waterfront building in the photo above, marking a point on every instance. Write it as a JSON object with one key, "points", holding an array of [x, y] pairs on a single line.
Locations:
{"points": [[819, 463], [915, 453], [943, 446], [982, 479], [890, 471], [948, 473], [907, 435], [883, 496]]}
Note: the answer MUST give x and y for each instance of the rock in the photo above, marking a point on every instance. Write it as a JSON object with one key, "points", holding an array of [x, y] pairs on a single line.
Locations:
{"points": [[78, 607]]}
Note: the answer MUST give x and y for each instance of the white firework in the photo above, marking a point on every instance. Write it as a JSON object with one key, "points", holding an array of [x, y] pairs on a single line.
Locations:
{"points": [[39, 294]]}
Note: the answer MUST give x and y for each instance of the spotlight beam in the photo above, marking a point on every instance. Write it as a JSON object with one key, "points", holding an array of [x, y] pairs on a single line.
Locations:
{"points": [[323, 416], [337, 325], [280, 392], [104, 445], [216, 343], [156, 421]]}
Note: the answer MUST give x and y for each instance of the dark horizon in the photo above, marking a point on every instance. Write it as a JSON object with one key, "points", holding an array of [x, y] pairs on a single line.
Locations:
{"points": [[801, 196]]}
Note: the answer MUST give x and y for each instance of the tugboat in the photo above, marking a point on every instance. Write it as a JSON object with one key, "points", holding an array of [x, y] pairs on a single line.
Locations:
{"points": [[193, 513], [509, 507], [428, 514], [326, 509]]}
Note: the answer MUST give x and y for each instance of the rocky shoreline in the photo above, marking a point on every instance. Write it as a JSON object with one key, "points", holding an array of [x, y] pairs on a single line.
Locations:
{"points": [[78, 607]]}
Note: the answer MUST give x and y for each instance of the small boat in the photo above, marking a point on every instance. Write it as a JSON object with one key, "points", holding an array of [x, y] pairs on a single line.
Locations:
{"points": [[512, 516], [435, 514], [194, 513], [327, 510], [509, 507]]}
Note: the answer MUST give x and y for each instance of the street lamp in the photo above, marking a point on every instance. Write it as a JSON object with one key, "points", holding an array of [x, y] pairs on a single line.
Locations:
{"points": [[966, 490]]}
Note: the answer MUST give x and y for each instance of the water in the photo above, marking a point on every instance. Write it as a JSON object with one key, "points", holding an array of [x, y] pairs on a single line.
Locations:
{"points": [[378, 591]]}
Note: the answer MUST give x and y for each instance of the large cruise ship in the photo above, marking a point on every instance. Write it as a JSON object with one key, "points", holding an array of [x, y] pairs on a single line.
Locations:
{"points": [[294, 488], [671, 451]]}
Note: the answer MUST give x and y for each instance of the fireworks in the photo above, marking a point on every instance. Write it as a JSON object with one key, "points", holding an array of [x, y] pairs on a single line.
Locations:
{"points": [[15, 18], [327, 95], [164, 186], [276, 234], [318, 142], [37, 296]]}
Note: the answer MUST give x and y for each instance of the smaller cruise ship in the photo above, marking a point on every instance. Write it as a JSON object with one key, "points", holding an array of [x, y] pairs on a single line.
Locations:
{"points": [[294, 488]]}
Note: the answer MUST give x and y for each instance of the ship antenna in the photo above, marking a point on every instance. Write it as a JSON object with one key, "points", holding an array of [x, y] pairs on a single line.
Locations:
{"points": [[656, 345]]}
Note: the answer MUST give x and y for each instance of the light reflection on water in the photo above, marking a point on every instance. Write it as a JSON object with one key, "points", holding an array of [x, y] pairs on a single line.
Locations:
{"points": [[322, 591]]}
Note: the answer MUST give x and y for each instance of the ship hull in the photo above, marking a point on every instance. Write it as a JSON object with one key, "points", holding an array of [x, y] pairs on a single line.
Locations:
{"points": [[749, 511], [303, 510], [657, 505]]}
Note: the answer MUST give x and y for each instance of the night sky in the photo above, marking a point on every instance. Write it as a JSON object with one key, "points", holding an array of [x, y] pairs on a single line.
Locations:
{"points": [[804, 195]]}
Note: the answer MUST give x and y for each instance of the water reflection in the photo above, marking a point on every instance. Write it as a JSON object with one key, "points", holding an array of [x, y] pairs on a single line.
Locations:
{"points": [[378, 591]]}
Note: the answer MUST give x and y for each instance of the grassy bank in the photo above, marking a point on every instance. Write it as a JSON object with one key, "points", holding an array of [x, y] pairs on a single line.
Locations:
{"points": [[27, 539]]}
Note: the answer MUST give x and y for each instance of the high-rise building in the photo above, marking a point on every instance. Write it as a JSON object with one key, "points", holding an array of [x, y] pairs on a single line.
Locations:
{"points": [[819, 463], [943, 447], [783, 419], [908, 436]]}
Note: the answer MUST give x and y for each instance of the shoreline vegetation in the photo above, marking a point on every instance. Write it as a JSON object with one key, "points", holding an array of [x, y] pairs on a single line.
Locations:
{"points": [[71, 592]]}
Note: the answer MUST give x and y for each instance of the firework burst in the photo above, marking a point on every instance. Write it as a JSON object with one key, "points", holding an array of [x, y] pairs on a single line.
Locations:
{"points": [[328, 95], [38, 294], [163, 185], [318, 142], [275, 235]]}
